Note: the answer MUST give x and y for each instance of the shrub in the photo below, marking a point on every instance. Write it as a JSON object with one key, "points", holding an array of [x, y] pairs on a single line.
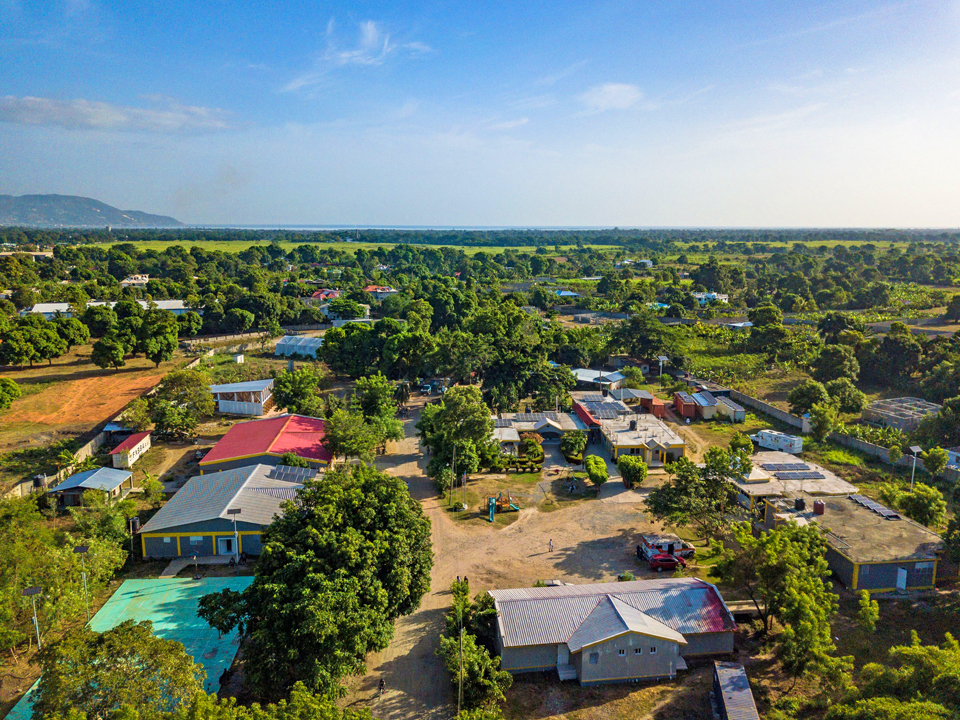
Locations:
{"points": [[596, 470], [633, 470]]}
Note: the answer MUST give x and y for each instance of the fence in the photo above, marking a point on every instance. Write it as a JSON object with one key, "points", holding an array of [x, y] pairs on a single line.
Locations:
{"points": [[883, 454], [802, 424], [42, 482]]}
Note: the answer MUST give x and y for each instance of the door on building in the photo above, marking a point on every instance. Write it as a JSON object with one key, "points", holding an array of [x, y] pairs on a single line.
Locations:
{"points": [[225, 546], [901, 578], [563, 654]]}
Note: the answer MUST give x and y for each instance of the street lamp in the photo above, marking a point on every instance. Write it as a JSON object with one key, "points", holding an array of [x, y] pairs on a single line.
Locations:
{"points": [[236, 536], [662, 359], [32, 592], [196, 570], [82, 550], [914, 449]]}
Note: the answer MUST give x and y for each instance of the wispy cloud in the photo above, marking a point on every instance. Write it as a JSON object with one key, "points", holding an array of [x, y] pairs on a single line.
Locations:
{"points": [[558, 76], [610, 96], [93, 115], [510, 124], [372, 47]]}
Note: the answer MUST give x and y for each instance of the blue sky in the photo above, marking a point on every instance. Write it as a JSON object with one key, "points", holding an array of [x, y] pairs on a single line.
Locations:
{"points": [[607, 113]]}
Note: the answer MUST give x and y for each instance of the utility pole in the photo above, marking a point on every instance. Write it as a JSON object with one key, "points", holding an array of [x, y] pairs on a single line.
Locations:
{"points": [[32, 592], [914, 449], [81, 550], [460, 688]]}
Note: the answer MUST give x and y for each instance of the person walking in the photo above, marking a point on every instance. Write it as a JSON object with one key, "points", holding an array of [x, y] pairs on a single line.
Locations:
{"points": [[551, 545]]}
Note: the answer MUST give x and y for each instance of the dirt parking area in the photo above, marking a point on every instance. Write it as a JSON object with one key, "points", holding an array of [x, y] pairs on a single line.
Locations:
{"points": [[593, 541]]}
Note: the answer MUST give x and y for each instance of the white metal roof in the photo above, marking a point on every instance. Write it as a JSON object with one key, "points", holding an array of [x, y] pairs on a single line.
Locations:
{"points": [[612, 617], [249, 386]]}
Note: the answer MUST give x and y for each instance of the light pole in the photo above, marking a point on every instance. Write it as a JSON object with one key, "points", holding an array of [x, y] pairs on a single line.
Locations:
{"points": [[914, 449], [196, 569], [236, 536], [32, 592], [82, 550], [662, 359]]}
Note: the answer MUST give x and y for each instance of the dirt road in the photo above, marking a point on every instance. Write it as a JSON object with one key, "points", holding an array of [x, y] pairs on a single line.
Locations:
{"points": [[592, 543]]}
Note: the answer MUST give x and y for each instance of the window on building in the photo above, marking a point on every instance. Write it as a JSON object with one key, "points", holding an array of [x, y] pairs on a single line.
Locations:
{"points": [[594, 658], [621, 652], [923, 566], [167, 540], [864, 570], [196, 539], [653, 651], [638, 651]]}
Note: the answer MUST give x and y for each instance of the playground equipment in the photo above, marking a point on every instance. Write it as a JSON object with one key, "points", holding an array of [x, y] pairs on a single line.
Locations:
{"points": [[503, 502]]}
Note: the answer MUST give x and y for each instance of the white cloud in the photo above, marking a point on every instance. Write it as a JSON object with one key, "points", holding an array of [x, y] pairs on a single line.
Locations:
{"points": [[418, 48], [510, 124], [94, 115], [610, 96]]}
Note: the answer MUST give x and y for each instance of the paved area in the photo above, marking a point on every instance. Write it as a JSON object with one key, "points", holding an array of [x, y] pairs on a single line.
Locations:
{"points": [[171, 604]]}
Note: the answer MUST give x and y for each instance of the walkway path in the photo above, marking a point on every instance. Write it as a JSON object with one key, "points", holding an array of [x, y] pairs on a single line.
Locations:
{"points": [[175, 566]]}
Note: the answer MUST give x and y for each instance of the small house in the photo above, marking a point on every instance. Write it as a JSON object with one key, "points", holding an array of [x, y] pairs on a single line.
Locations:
{"points": [[298, 346], [69, 493], [644, 436], [706, 405], [199, 518], [630, 396], [598, 379], [251, 398], [729, 410], [732, 696], [684, 404], [655, 406], [380, 292], [125, 454], [611, 632], [265, 442]]}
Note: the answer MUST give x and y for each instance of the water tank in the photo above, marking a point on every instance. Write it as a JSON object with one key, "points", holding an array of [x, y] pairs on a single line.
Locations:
{"points": [[604, 392], [819, 507], [135, 524], [633, 424], [799, 504]]}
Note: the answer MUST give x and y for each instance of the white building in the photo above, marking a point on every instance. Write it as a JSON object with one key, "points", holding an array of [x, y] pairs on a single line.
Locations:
{"points": [[124, 455], [135, 281], [298, 345], [776, 440], [243, 398], [708, 297], [62, 309]]}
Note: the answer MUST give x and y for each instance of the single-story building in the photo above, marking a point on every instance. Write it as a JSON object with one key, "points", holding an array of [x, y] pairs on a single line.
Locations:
{"points": [[507, 438], [598, 378], [685, 405], [266, 441], [380, 292], [708, 297], [655, 406], [244, 398], [715, 389], [69, 493], [62, 309], [642, 435], [729, 410], [706, 405], [567, 294], [125, 454], [611, 632], [630, 396], [196, 521], [869, 546], [776, 474], [549, 425], [731, 692], [293, 345], [331, 315]]}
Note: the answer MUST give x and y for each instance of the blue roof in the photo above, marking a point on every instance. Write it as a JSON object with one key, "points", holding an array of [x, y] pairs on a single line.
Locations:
{"points": [[249, 386], [96, 479], [567, 293], [731, 403], [704, 399]]}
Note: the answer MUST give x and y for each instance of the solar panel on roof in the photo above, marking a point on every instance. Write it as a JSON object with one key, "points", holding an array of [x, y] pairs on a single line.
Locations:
{"points": [[592, 399], [501, 423]]}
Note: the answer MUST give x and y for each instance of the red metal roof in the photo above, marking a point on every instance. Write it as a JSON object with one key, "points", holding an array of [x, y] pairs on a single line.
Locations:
{"points": [[130, 443], [272, 436], [582, 413]]}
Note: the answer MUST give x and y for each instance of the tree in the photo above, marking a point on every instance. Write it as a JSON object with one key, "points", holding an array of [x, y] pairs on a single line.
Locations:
{"points": [[935, 460], [805, 395], [189, 324], [925, 504], [846, 396], [767, 334], [596, 469], [188, 390], [868, 612], [9, 391], [633, 470], [835, 362], [461, 419], [18, 348], [137, 415], [47, 343], [348, 434], [700, 497], [484, 683], [100, 673], [291, 459], [297, 391], [951, 539], [741, 442], [346, 309], [338, 567], [237, 321], [572, 444], [834, 323], [374, 393], [107, 352], [157, 336], [823, 420], [100, 319], [71, 331], [172, 419]]}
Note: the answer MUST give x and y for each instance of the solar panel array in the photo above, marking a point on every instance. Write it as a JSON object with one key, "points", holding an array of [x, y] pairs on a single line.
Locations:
{"points": [[592, 398], [537, 417], [795, 475], [501, 423], [785, 466], [875, 506], [292, 474]]}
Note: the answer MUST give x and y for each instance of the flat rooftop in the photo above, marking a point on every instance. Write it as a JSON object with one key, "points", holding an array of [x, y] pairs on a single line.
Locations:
{"points": [[534, 422], [769, 477], [863, 533], [649, 432]]}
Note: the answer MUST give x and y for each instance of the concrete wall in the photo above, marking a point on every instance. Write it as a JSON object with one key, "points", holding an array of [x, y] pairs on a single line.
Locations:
{"points": [[767, 409], [529, 659], [707, 644], [884, 577], [877, 451], [841, 567], [610, 666]]}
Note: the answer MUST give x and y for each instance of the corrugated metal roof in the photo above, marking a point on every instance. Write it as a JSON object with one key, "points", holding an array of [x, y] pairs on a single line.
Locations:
{"points": [[735, 694], [96, 479], [254, 489], [612, 617], [249, 386], [130, 443], [537, 616]]}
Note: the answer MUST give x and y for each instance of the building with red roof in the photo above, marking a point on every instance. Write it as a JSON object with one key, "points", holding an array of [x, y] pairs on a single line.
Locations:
{"points": [[265, 441], [380, 292], [130, 450]]}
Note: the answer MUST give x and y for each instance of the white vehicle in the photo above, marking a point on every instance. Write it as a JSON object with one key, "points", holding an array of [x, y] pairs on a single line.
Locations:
{"points": [[776, 440], [651, 545]]}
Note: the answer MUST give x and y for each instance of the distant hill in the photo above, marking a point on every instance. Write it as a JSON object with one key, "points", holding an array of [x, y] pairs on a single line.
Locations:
{"points": [[73, 211]]}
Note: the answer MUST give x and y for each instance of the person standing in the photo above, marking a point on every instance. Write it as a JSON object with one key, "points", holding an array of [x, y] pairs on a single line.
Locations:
{"points": [[550, 545]]}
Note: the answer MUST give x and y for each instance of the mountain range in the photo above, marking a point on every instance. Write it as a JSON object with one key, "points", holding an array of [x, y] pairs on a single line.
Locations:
{"points": [[74, 211]]}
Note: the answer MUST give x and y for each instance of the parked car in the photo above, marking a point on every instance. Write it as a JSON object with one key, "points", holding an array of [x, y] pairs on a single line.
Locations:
{"points": [[662, 561], [653, 544]]}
